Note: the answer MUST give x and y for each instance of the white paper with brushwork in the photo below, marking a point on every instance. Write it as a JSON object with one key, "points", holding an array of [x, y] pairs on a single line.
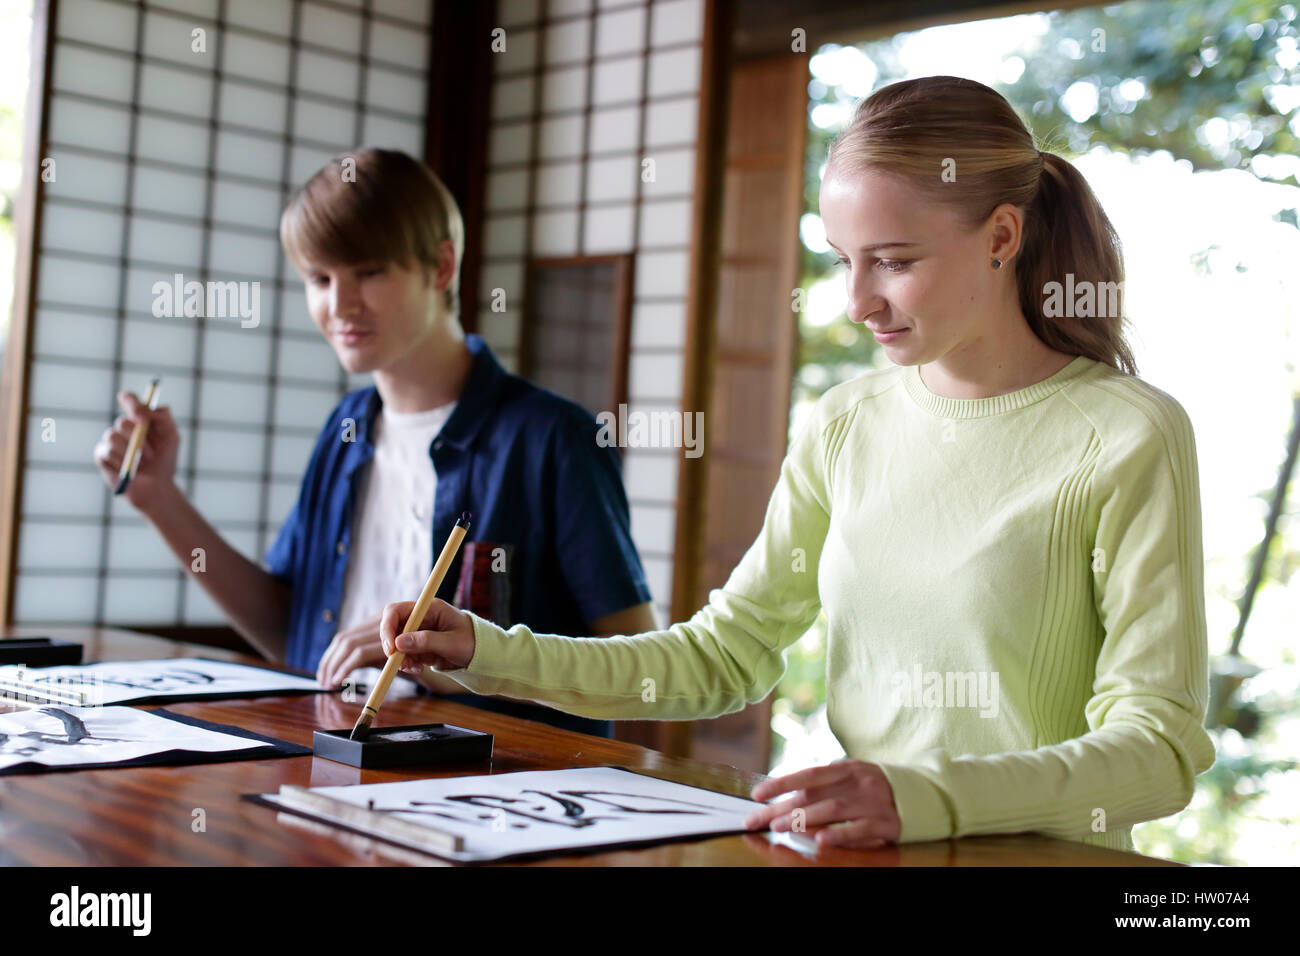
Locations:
{"points": [[57, 736], [126, 682], [537, 811]]}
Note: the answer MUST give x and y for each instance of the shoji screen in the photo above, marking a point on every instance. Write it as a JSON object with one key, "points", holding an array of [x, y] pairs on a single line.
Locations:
{"points": [[177, 131], [583, 94]]}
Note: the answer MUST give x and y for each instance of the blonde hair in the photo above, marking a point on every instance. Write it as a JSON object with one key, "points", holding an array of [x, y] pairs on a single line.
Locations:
{"points": [[374, 205], [918, 128]]}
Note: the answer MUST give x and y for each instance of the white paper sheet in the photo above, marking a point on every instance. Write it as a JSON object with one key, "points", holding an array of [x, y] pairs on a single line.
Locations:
{"points": [[507, 814], [128, 682], [60, 736]]}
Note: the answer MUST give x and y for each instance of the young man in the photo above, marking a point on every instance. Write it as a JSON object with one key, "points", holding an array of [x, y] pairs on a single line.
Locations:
{"points": [[445, 429]]}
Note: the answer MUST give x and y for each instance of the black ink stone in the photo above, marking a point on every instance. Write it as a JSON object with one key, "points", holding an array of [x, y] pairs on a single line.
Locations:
{"points": [[404, 746], [38, 651]]}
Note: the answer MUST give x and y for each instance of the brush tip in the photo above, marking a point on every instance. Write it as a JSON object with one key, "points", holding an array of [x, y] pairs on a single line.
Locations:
{"points": [[121, 485]]}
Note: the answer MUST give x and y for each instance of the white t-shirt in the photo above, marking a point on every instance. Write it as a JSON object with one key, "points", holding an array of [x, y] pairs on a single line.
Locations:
{"points": [[392, 523]]}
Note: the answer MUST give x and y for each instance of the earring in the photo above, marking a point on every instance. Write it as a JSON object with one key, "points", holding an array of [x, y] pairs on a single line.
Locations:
{"points": [[997, 263]]}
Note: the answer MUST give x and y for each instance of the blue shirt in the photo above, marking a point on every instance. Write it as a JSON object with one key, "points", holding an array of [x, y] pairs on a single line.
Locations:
{"points": [[525, 463]]}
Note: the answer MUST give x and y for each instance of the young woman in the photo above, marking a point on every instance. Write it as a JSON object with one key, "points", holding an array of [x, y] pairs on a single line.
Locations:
{"points": [[1003, 529], [445, 429]]}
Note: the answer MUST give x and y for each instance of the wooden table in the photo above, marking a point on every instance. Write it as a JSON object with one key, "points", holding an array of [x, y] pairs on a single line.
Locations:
{"points": [[145, 816]]}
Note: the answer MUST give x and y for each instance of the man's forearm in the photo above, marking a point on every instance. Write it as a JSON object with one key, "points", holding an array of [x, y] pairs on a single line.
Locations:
{"points": [[255, 602]]}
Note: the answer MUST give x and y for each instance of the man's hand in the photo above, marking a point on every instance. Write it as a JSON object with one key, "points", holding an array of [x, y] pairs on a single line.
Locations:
{"points": [[444, 641], [356, 647], [852, 792], [157, 468]]}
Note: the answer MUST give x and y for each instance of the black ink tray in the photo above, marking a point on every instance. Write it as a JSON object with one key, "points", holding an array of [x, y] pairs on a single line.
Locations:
{"points": [[38, 651], [404, 746]]}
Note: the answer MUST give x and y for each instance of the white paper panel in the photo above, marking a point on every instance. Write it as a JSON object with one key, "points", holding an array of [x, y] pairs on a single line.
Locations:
{"points": [[327, 74], [144, 600], [136, 546], [240, 256], [93, 72], [620, 31], [48, 599], [281, 499], [207, 9], [293, 314], [510, 12], [175, 246], [291, 454], [608, 229], [179, 91], [322, 122], [671, 122], [312, 360], [653, 527], [504, 235], [224, 499], [248, 205], [164, 190], [400, 92], [236, 349], [613, 178], [72, 334], [253, 106], [659, 325], [520, 52], [98, 22], [558, 183], [48, 491], [56, 546], [512, 98], [560, 137], [507, 190], [162, 342], [566, 41], [171, 141], [72, 387], [617, 81], [74, 123], [509, 144], [222, 400], [614, 129], [79, 229], [399, 46], [649, 476], [268, 17], [169, 37], [199, 608], [675, 71], [249, 155], [659, 578], [255, 57], [304, 407], [564, 89], [666, 223], [564, 8], [327, 27], [677, 21], [75, 439], [87, 177], [555, 234], [674, 173], [655, 377], [228, 450], [500, 329], [80, 283], [416, 11], [390, 133], [507, 276]]}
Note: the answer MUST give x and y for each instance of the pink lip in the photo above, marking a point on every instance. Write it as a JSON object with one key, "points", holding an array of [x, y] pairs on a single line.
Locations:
{"points": [[888, 336], [352, 335]]}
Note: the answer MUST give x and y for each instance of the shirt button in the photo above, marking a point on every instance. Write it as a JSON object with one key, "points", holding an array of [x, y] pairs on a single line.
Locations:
{"points": [[327, 616], [437, 445], [341, 547]]}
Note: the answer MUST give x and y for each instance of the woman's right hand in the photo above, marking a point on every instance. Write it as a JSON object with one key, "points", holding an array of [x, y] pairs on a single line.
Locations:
{"points": [[157, 468], [443, 640]]}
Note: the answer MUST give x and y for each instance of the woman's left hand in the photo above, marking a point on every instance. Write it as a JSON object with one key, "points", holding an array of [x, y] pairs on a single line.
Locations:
{"points": [[853, 793]]}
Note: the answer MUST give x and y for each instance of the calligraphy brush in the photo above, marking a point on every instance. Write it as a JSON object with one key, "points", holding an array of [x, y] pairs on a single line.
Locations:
{"points": [[135, 446], [380, 691]]}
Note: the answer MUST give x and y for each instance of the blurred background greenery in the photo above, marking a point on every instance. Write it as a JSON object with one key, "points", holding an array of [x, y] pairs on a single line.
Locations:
{"points": [[1211, 87]]}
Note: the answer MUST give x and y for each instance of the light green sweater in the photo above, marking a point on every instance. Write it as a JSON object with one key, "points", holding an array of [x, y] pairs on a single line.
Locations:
{"points": [[1014, 598]]}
